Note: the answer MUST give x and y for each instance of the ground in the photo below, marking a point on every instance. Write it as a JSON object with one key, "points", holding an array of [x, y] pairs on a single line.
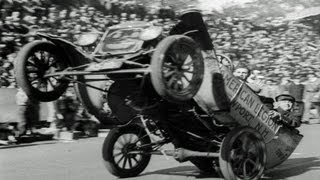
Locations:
{"points": [[81, 160]]}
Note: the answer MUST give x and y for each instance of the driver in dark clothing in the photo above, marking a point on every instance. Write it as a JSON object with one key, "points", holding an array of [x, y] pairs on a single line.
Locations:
{"points": [[283, 111], [191, 20]]}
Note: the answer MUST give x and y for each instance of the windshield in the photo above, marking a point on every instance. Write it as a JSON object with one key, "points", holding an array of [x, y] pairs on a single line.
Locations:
{"points": [[122, 41]]}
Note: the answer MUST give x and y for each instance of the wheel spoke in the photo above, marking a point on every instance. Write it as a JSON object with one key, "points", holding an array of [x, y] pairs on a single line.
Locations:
{"points": [[122, 141], [130, 162], [188, 71], [239, 169], [126, 138], [169, 74], [130, 138], [188, 63], [140, 138], [42, 56], [50, 82], [124, 163], [33, 77], [185, 77], [118, 162], [33, 64], [135, 159], [245, 169], [58, 80], [44, 86], [169, 66], [32, 71], [117, 145], [52, 63], [53, 81], [176, 85], [171, 81], [117, 154], [254, 164], [39, 83], [137, 140], [170, 58], [237, 162], [36, 60]]}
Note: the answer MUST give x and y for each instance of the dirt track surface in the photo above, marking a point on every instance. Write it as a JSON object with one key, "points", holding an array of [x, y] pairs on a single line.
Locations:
{"points": [[81, 160]]}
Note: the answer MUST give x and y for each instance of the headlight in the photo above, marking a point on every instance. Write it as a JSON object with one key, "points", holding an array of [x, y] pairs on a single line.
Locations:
{"points": [[150, 33], [87, 39]]}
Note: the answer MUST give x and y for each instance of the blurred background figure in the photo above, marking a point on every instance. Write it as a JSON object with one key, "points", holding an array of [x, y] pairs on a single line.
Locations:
{"points": [[242, 72], [67, 108], [72, 116], [52, 118], [28, 113], [311, 98]]}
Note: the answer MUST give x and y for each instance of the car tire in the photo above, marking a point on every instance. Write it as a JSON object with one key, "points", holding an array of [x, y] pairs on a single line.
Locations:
{"points": [[33, 61], [173, 77], [116, 166]]}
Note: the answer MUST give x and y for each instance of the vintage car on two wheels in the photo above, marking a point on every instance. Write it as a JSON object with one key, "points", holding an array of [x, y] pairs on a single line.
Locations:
{"points": [[163, 86]]}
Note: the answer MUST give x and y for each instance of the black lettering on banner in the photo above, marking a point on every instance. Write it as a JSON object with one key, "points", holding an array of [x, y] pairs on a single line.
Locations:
{"points": [[247, 98], [236, 87], [242, 96], [264, 115], [227, 79], [231, 84], [272, 125], [234, 103], [256, 109], [242, 111], [247, 116], [251, 101], [262, 129], [238, 107], [265, 132], [259, 126]]}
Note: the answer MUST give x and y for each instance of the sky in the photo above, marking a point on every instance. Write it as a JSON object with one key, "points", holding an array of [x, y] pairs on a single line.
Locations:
{"points": [[218, 4]]}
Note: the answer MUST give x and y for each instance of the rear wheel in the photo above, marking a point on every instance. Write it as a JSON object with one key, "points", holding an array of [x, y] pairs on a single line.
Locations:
{"points": [[177, 68], [117, 148], [242, 154], [33, 62]]}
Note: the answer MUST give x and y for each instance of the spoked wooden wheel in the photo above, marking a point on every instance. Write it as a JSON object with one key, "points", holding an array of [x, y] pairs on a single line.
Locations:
{"points": [[117, 151], [33, 62], [242, 154], [177, 68]]}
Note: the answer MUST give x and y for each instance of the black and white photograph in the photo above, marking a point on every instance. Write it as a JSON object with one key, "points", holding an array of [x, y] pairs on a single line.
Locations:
{"points": [[159, 89]]}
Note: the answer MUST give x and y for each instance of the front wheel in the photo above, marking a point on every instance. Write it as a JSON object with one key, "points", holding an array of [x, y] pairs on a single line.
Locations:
{"points": [[120, 149], [33, 62], [177, 68], [242, 154]]}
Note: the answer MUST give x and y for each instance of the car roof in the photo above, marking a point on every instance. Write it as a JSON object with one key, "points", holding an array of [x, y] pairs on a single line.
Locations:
{"points": [[130, 24]]}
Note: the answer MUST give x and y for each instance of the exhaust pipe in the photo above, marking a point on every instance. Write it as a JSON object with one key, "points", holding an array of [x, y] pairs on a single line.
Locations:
{"points": [[181, 154]]}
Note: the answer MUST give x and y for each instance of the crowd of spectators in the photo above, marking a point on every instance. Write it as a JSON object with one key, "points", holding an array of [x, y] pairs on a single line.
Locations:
{"points": [[277, 48]]}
